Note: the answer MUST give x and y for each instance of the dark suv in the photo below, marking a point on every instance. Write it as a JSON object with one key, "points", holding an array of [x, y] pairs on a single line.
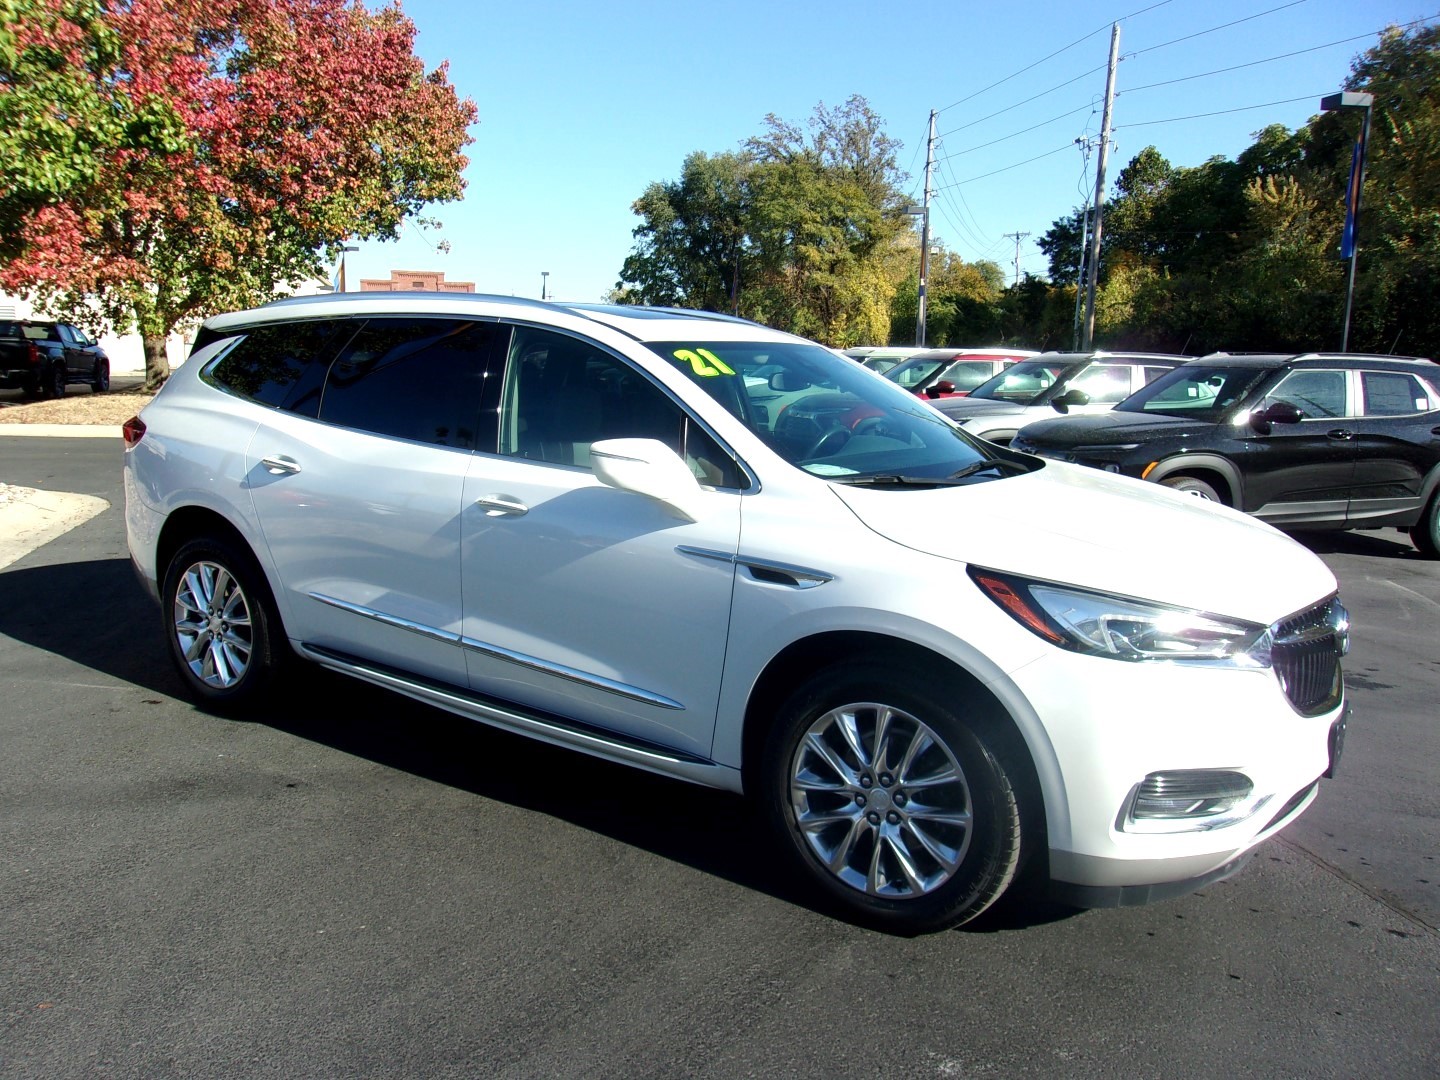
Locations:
{"points": [[1315, 441]]}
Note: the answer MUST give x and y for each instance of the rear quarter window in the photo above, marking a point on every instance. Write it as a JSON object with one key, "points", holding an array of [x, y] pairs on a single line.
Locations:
{"points": [[275, 363]]}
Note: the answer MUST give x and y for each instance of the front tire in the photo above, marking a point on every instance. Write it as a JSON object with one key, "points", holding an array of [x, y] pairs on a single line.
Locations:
{"points": [[1425, 534], [1191, 485], [101, 380], [899, 802], [223, 629]]}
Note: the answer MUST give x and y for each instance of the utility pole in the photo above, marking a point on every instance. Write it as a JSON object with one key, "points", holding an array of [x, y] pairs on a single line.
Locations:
{"points": [[1085, 148], [925, 233], [1017, 237], [1104, 159]]}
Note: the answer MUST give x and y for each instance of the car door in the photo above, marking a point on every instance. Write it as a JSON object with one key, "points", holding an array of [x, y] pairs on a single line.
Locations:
{"points": [[361, 504], [598, 605], [1396, 439], [1302, 472]]}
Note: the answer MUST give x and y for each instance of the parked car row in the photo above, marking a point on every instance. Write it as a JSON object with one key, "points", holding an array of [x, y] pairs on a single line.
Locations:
{"points": [[948, 373], [1309, 441], [939, 666], [43, 358]]}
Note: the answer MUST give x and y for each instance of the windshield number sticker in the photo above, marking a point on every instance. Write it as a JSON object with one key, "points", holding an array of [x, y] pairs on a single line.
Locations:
{"points": [[703, 362]]}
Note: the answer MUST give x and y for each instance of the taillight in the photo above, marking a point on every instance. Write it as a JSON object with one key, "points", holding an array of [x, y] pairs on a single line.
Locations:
{"points": [[132, 431], [32, 354]]}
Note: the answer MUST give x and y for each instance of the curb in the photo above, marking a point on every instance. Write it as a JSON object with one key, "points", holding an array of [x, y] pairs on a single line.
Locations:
{"points": [[31, 518], [67, 431]]}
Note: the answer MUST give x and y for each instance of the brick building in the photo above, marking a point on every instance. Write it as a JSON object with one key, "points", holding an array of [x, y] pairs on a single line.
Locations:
{"points": [[412, 280]]}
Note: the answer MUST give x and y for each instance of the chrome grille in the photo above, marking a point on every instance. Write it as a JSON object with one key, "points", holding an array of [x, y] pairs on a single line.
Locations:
{"points": [[1306, 656]]}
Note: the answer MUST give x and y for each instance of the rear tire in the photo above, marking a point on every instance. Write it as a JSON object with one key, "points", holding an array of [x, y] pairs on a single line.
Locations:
{"points": [[900, 803], [1425, 534], [52, 384], [221, 624], [1191, 485]]}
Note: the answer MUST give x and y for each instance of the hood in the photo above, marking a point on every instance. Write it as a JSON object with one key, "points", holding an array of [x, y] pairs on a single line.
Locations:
{"points": [[966, 407], [1103, 429], [1080, 526]]}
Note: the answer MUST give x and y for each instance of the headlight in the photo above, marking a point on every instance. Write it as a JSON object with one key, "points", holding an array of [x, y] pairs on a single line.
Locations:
{"points": [[1122, 627]]}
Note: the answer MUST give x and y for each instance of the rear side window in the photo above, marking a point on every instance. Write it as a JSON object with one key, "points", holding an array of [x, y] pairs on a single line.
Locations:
{"points": [[271, 362], [416, 379], [1393, 393]]}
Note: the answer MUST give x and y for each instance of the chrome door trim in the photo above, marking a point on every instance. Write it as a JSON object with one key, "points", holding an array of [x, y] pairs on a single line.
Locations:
{"points": [[582, 678], [422, 629]]}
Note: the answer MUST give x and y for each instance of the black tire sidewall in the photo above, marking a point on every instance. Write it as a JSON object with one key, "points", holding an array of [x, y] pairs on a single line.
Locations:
{"points": [[268, 647], [1425, 534], [101, 381], [1193, 487], [53, 385], [993, 858]]}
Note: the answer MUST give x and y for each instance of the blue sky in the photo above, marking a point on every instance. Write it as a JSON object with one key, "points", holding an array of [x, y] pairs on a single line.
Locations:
{"points": [[583, 104]]}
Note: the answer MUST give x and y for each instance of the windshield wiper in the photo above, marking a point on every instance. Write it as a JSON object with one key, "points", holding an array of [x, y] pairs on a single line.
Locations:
{"points": [[982, 466], [896, 480]]}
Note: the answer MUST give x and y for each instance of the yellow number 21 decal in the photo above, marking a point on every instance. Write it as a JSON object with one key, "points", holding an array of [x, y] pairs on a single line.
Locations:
{"points": [[703, 362]]}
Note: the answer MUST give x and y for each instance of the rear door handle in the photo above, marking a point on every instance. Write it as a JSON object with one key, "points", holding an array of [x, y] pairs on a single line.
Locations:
{"points": [[502, 506], [279, 465]]}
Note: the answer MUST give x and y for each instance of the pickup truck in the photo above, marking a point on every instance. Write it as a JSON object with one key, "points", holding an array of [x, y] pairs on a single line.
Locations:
{"points": [[42, 358]]}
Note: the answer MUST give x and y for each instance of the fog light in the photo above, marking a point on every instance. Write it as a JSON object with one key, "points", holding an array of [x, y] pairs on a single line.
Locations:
{"points": [[1198, 798]]}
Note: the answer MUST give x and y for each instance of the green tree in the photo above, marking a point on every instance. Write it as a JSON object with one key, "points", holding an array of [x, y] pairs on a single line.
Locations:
{"points": [[692, 247]]}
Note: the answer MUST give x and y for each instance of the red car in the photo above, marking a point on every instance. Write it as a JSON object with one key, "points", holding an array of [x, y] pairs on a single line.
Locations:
{"points": [[940, 373]]}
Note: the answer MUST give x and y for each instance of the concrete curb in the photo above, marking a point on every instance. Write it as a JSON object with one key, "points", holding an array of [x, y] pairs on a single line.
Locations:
{"points": [[66, 431], [30, 518]]}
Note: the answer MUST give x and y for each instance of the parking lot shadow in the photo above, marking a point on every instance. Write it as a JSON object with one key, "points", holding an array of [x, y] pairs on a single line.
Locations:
{"points": [[93, 613], [96, 614]]}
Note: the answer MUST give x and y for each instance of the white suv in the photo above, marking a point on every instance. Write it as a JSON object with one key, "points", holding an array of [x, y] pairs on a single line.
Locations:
{"points": [[721, 553]]}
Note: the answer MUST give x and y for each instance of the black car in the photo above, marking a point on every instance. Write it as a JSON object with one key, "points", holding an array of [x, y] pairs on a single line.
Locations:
{"points": [[1314, 441]]}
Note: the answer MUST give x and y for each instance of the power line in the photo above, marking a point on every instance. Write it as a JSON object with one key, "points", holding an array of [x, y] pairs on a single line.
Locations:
{"points": [[1056, 53], [1213, 29], [1023, 131], [1036, 97], [1222, 112], [1007, 168], [1268, 59]]}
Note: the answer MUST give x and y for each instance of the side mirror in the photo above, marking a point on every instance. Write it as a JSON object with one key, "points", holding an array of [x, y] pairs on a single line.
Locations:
{"points": [[1278, 412], [1072, 396], [646, 467], [940, 389]]}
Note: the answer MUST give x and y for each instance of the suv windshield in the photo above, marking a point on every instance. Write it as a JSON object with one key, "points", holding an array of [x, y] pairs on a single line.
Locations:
{"points": [[1196, 393], [1030, 382], [822, 412]]}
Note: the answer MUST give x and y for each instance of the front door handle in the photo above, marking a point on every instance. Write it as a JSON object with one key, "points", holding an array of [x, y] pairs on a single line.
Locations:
{"points": [[1340, 433], [502, 506], [280, 466]]}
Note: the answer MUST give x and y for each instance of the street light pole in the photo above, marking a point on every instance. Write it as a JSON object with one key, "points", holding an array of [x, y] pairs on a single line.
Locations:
{"points": [[1350, 237]]}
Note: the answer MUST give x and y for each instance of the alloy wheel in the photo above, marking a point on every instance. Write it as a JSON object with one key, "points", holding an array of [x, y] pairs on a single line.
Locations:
{"points": [[212, 625]]}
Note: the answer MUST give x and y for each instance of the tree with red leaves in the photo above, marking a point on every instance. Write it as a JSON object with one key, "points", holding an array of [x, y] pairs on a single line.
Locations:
{"points": [[165, 159]]}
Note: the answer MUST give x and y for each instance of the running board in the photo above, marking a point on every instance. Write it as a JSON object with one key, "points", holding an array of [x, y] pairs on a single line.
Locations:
{"points": [[544, 727]]}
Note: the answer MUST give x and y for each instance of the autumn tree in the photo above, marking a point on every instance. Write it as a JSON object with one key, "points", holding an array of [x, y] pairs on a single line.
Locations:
{"points": [[240, 143]]}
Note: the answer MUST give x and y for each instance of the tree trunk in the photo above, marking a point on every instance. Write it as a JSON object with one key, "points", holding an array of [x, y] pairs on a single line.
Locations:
{"points": [[157, 362]]}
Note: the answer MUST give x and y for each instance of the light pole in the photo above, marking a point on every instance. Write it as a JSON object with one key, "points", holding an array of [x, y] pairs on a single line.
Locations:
{"points": [[1349, 238], [544, 284], [343, 249]]}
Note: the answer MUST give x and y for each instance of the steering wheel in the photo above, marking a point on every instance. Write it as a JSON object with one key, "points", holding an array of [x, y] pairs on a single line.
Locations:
{"points": [[828, 443]]}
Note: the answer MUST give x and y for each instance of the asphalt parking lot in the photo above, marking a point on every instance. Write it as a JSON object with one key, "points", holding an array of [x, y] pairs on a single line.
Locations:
{"points": [[358, 885]]}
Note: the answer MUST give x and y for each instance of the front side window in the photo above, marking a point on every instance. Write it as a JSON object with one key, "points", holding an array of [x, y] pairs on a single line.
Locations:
{"points": [[1022, 383], [1104, 384], [1317, 394], [562, 395], [1195, 392]]}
